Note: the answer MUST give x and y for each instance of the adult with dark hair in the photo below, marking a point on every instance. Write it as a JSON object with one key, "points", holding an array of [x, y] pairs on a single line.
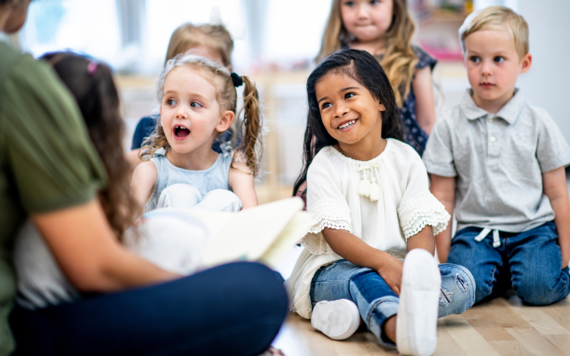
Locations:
{"points": [[50, 173], [371, 207]]}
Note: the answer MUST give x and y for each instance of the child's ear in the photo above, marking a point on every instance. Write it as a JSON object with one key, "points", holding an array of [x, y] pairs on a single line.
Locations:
{"points": [[225, 121], [160, 114], [526, 62], [381, 107]]}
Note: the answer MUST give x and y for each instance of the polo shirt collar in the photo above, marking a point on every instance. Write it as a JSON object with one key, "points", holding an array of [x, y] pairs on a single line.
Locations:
{"points": [[509, 112]]}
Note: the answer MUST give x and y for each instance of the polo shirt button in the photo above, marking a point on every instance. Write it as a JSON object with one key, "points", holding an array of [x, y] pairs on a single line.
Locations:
{"points": [[492, 139], [491, 119]]}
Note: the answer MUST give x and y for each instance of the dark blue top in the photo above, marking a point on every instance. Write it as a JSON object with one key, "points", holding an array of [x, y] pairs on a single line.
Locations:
{"points": [[147, 125], [414, 135]]}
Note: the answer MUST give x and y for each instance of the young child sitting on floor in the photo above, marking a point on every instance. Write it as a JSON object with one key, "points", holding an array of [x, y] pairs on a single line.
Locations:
{"points": [[498, 162], [198, 103], [211, 41], [371, 207]]}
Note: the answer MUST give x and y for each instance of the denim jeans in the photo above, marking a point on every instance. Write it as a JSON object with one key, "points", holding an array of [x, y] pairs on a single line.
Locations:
{"points": [[375, 300], [233, 309], [530, 262]]}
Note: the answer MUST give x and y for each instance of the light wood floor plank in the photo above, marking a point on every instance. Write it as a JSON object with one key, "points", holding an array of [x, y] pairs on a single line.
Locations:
{"points": [[535, 342], [446, 345], [560, 312], [540, 320], [510, 348], [467, 337]]}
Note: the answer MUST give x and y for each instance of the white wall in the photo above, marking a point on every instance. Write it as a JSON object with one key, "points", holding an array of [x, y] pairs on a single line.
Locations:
{"points": [[547, 84]]}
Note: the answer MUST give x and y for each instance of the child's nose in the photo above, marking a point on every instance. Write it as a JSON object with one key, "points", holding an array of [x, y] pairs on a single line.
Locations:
{"points": [[486, 68], [341, 111], [181, 113], [362, 11]]}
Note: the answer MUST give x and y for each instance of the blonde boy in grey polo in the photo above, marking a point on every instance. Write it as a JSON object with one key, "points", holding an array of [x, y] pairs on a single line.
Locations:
{"points": [[498, 162]]}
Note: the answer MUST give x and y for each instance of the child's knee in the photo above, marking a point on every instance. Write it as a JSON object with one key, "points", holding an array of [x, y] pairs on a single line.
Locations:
{"points": [[179, 196], [221, 200], [458, 289], [538, 290]]}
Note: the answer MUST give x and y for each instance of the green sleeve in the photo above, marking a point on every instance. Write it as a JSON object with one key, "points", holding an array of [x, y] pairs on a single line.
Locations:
{"points": [[48, 150]]}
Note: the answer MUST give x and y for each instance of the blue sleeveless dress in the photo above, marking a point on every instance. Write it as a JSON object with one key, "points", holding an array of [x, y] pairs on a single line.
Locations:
{"points": [[215, 177]]}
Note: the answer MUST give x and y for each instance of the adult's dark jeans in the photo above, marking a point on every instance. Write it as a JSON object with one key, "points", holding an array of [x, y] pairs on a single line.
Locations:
{"points": [[234, 309]]}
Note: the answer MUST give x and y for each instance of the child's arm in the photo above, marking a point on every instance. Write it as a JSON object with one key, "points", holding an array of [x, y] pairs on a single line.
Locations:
{"points": [[354, 250], [443, 188], [423, 239], [242, 183], [425, 109], [142, 184], [555, 188]]}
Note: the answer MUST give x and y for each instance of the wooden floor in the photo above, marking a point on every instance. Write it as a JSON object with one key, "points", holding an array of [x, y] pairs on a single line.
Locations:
{"points": [[501, 327]]}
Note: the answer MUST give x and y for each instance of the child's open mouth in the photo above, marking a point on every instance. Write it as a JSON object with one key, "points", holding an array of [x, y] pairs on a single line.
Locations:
{"points": [[181, 131]]}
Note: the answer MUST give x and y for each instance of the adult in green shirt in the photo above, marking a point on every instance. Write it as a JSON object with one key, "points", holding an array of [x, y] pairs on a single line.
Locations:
{"points": [[49, 172]]}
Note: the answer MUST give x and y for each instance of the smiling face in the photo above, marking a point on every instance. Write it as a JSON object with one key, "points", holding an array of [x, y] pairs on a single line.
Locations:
{"points": [[493, 66], [367, 20], [190, 114], [349, 112]]}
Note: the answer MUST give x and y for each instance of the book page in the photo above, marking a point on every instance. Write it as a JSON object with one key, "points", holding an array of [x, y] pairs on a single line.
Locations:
{"points": [[247, 235], [294, 232]]}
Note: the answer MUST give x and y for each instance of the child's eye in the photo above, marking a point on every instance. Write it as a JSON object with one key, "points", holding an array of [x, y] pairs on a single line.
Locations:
{"points": [[170, 102], [325, 105], [195, 104], [349, 3], [499, 59], [374, 2], [348, 95], [474, 59]]}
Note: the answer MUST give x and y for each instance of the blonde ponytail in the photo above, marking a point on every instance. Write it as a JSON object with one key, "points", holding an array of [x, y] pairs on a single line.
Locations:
{"points": [[251, 126]]}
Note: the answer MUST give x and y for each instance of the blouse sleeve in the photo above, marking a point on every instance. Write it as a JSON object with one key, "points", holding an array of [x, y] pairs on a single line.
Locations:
{"points": [[424, 59], [325, 203], [418, 207]]}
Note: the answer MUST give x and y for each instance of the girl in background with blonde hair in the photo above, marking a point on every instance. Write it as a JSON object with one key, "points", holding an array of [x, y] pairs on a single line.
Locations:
{"points": [[198, 103], [385, 30]]}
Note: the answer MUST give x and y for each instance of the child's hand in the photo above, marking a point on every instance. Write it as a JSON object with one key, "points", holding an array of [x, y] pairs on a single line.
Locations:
{"points": [[391, 271]]}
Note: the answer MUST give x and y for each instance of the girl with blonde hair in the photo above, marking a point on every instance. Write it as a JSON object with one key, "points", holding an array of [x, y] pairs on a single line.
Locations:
{"points": [[385, 30], [211, 41], [198, 103]]}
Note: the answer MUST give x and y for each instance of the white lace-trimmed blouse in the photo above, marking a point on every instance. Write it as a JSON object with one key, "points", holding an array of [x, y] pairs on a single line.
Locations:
{"points": [[383, 201]]}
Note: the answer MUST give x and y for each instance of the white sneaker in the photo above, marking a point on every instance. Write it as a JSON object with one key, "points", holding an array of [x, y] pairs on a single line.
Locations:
{"points": [[416, 328], [337, 319]]}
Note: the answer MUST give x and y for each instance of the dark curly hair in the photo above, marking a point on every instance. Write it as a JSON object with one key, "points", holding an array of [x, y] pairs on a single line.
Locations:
{"points": [[365, 69], [91, 84]]}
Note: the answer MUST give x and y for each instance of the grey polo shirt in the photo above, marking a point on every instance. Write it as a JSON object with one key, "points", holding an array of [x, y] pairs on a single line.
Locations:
{"points": [[498, 161]]}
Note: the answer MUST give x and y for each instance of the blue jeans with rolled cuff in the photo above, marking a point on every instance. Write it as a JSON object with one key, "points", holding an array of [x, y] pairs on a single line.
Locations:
{"points": [[375, 300], [529, 262]]}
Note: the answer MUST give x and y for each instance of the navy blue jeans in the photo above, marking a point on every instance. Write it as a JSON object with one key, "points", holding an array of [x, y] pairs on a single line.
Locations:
{"points": [[529, 262], [375, 300], [234, 309]]}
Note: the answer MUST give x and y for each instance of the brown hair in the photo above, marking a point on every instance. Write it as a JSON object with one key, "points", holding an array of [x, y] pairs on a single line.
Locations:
{"points": [[494, 17], [399, 60], [188, 36], [91, 84], [249, 127]]}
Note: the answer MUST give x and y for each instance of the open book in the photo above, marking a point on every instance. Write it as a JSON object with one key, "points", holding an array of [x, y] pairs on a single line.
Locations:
{"points": [[264, 233], [180, 240]]}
